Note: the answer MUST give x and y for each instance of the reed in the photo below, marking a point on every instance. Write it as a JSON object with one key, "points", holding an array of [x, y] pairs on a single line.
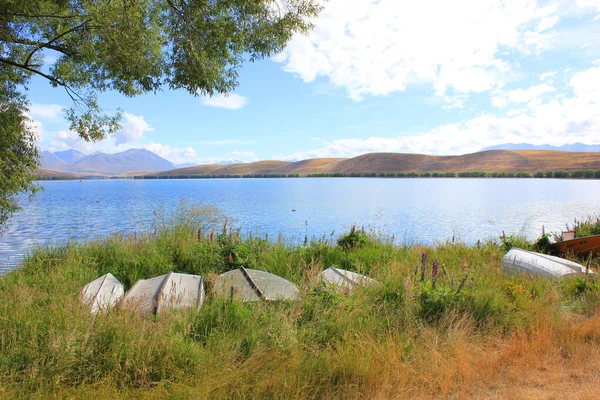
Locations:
{"points": [[475, 333]]}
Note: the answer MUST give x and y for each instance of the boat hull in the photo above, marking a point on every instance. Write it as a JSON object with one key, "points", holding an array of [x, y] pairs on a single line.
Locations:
{"points": [[102, 293], [251, 285], [170, 291], [581, 246], [518, 261], [346, 279]]}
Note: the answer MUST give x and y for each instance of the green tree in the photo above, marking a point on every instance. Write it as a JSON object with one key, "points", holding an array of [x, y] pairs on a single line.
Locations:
{"points": [[18, 153], [128, 46]]}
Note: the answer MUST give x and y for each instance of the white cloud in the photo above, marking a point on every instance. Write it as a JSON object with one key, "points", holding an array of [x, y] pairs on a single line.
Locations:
{"points": [[46, 111], [234, 156], [589, 4], [35, 126], [244, 156], [532, 95], [224, 142], [177, 155], [547, 75], [586, 85], [63, 140], [556, 121], [547, 23], [180, 155], [378, 47], [230, 101], [132, 129]]}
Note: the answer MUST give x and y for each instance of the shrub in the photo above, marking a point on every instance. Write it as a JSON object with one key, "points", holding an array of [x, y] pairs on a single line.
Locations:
{"points": [[355, 238]]}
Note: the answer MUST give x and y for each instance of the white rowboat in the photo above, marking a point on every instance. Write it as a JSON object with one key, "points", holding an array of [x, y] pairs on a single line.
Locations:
{"points": [[347, 279], [102, 293], [164, 292], [251, 285], [523, 261]]}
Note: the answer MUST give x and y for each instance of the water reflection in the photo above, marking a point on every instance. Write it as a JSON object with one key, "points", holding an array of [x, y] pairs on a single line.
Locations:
{"points": [[413, 210]]}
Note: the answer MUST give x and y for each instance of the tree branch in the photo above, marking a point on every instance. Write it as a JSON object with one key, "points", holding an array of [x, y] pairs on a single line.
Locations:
{"points": [[55, 39], [54, 47], [42, 15], [35, 71]]}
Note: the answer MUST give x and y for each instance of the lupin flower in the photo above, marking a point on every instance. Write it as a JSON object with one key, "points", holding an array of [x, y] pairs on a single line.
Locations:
{"points": [[199, 235], [434, 273], [423, 265]]}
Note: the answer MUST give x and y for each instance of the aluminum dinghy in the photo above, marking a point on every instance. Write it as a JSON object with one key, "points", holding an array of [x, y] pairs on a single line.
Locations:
{"points": [[245, 285], [170, 291], [102, 293], [346, 279], [523, 261]]}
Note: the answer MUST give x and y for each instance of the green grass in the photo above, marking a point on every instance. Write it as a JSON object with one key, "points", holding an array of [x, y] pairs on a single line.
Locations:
{"points": [[404, 338]]}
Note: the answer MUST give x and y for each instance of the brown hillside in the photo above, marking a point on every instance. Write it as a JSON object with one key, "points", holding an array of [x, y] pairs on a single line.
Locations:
{"points": [[553, 160], [48, 174], [493, 160], [311, 166], [259, 167], [387, 162], [138, 173]]}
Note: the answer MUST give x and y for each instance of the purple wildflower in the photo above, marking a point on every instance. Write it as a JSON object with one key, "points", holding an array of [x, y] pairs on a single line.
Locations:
{"points": [[423, 265]]}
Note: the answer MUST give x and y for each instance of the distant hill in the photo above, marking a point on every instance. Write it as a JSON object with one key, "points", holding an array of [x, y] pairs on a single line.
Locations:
{"points": [[47, 174], [50, 161], [103, 164], [127, 161], [492, 160], [69, 156], [575, 147]]}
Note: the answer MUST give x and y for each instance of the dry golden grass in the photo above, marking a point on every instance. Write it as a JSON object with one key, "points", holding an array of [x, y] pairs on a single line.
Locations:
{"points": [[138, 173], [47, 174], [259, 167], [490, 161]]}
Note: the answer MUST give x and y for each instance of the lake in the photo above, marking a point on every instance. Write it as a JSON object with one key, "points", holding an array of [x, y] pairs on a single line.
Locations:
{"points": [[412, 210]]}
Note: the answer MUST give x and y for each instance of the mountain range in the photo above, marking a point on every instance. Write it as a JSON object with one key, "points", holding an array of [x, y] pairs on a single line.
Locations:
{"points": [[489, 161], [575, 147], [76, 162], [507, 157]]}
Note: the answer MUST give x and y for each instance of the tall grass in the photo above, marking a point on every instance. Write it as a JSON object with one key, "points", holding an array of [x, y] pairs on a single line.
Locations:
{"points": [[476, 333]]}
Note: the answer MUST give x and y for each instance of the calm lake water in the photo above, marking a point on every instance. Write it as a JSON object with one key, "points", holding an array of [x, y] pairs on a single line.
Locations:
{"points": [[413, 210]]}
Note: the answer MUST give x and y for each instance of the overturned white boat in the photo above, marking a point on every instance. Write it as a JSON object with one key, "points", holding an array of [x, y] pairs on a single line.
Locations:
{"points": [[346, 279], [245, 284], [173, 290], [523, 261], [102, 293]]}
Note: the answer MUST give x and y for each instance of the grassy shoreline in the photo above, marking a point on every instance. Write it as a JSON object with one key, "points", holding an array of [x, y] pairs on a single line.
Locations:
{"points": [[478, 333]]}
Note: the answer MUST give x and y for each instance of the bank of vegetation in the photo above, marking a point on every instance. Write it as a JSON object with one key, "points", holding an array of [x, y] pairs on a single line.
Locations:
{"points": [[476, 332]]}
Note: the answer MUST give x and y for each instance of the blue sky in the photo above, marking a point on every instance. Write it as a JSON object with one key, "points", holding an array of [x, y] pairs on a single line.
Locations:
{"points": [[432, 77]]}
